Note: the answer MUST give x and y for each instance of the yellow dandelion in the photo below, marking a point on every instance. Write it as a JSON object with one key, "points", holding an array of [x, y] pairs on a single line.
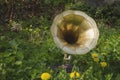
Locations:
{"points": [[103, 64], [74, 74], [45, 76], [96, 59], [94, 55]]}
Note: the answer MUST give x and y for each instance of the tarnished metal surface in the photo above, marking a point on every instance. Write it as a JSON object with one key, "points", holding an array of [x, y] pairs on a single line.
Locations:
{"points": [[74, 32]]}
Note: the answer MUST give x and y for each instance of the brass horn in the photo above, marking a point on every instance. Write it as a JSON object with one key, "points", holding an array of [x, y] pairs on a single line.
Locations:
{"points": [[74, 32]]}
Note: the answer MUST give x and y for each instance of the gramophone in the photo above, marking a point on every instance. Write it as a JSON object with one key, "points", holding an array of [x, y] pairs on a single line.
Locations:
{"points": [[74, 32]]}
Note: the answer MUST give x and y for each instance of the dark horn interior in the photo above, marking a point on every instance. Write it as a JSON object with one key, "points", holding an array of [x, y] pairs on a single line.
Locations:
{"points": [[70, 37], [70, 29]]}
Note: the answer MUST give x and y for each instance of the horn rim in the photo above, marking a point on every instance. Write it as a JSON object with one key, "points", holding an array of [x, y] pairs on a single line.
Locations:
{"points": [[69, 49]]}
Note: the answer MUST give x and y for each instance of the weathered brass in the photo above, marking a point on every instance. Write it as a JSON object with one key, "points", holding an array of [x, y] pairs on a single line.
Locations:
{"points": [[74, 32]]}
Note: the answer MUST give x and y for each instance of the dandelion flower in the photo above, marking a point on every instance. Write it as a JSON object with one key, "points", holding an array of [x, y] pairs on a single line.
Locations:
{"points": [[103, 64], [96, 59], [45, 76], [74, 74], [94, 55]]}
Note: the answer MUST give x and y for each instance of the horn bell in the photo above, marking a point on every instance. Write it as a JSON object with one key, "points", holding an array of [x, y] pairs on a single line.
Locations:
{"points": [[74, 32]]}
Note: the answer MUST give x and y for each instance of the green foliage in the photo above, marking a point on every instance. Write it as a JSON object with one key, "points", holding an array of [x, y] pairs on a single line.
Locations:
{"points": [[47, 9], [83, 7], [25, 55], [108, 13]]}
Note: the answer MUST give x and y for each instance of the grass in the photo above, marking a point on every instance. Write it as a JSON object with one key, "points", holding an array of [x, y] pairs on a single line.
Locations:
{"points": [[25, 55]]}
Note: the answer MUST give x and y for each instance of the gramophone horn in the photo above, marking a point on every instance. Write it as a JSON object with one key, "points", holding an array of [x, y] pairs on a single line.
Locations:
{"points": [[74, 32]]}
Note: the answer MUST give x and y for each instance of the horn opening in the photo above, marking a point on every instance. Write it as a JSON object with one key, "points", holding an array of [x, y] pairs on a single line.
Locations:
{"points": [[74, 32], [71, 28]]}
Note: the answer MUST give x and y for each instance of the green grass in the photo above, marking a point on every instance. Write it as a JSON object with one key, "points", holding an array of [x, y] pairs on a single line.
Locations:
{"points": [[27, 54]]}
